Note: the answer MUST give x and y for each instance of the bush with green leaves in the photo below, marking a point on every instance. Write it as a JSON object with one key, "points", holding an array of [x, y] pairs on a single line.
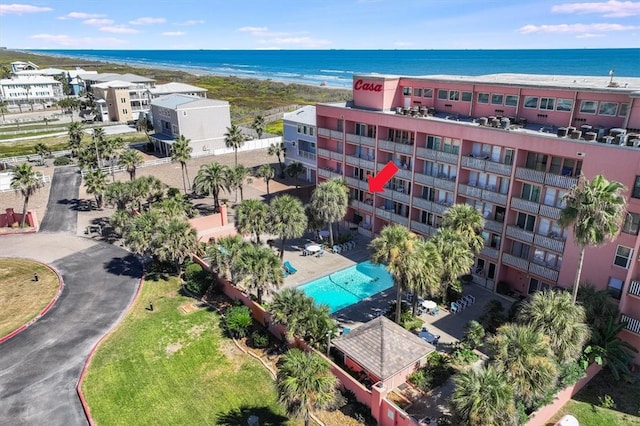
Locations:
{"points": [[463, 356], [259, 339], [197, 280], [493, 316], [62, 161], [435, 373], [239, 320], [473, 334]]}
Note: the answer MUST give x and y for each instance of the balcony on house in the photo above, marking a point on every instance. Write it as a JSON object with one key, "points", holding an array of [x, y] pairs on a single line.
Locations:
{"points": [[493, 225], [423, 203], [365, 206], [550, 242], [354, 182], [423, 179], [525, 205], [490, 252], [326, 153], [633, 324], [361, 161], [550, 211], [329, 173], [445, 182], [492, 195], [519, 233], [422, 228], [485, 164], [516, 262], [547, 178], [543, 271], [634, 288], [469, 191], [328, 133], [358, 139]]}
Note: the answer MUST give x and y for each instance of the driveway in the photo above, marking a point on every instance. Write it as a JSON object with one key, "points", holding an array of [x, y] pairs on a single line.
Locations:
{"points": [[40, 367], [62, 213]]}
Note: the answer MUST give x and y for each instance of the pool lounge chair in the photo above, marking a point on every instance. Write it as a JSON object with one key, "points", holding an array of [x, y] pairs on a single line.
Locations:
{"points": [[289, 268]]}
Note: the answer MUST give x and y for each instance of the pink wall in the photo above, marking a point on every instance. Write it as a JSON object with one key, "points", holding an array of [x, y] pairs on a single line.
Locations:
{"points": [[374, 92], [10, 217], [634, 340]]}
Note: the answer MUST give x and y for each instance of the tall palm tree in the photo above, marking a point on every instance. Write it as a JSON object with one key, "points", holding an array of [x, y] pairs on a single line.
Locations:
{"points": [[391, 248], [294, 170], [267, 173], [42, 150], [423, 268], [95, 182], [26, 181], [75, 137], [259, 267], [98, 138], [286, 219], [483, 397], [211, 178], [280, 151], [290, 307], [456, 255], [329, 203], [305, 383], [468, 222], [251, 217], [119, 194], [111, 149], [223, 252], [524, 355], [595, 210], [130, 159], [234, 138], [175, 242], [140, 233], [181, 151], [236, 178], [258, 125], [554, 314]]}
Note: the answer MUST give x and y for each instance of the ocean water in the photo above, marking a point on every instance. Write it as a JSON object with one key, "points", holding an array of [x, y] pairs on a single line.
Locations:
{"points": [[336, 67]]}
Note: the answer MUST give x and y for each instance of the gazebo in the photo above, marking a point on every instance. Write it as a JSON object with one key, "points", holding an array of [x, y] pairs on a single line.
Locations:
{"points": [[383, 351]]}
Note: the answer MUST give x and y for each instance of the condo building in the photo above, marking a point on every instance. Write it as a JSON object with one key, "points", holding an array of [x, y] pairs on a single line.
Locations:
{"points": [[510, 145]]}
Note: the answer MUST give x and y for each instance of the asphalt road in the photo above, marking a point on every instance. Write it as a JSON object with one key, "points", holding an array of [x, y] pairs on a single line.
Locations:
{"points": [[62, 213], [40, 367]]}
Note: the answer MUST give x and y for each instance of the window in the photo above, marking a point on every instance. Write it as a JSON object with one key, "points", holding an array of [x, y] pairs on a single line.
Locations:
{"points": [[454, 95], [417, 91], [588, 107], [434, 142], [428, 93], [443, 94], [526, 221], [536, 161], [483, 98], [123, 101], [615, 287], [467, 96], [608, 108], [511, 100], [497, 99], [635, 193], [547, 103], [520, 250], [406, 91], [361, 129], [623, 256], [531, 102], [631, 223], [564, 105], [311, 131], [624, 108], [531, 192]]}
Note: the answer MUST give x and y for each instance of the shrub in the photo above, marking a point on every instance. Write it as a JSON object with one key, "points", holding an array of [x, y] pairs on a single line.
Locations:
{"points": [[493, 316], [239, 320], [464, 356], [197, 280], [173, 192], [259, 339], [62, 161], [434, 374], [473, 334]]}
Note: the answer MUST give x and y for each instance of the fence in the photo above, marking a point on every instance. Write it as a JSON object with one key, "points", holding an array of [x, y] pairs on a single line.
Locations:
{"points": [[117, 169]]}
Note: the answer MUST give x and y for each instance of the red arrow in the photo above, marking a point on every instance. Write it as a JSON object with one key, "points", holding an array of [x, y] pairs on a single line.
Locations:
{"points": [[376, 183]]}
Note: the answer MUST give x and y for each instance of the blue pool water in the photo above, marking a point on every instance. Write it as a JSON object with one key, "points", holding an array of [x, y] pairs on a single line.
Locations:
{"points": [[349, 286]]}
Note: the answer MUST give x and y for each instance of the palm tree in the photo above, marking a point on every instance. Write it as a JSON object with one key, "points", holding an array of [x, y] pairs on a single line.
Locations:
{"points": [[42, 150], [267, 173], [26, 181], [305, 383], [234, 139], [140, 233], [394, 244], [111, 149], [294, 170], [211, 178], [291, 307], [258, 125], [596, 212], [524, 355], [75, 137], [423, 268], [259, 267], [95, 182], [456, 255], [175, 242], [98, 139], [597, 306], [251, 217], [473, 334], [279, 150], [554, 314], [181, 151], [615, 352], [483, 397], [130, 159], [223, 252], [468, 222], [236, 178], [286, 219], [120, 194], [329, 203]]}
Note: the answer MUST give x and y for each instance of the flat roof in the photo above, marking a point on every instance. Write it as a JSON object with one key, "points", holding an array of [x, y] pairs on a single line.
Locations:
{"points": [[175, 87], [304, 115]]}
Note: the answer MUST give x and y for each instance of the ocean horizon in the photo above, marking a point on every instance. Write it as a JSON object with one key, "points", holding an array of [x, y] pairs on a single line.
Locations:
{"points": [[335, 68]]}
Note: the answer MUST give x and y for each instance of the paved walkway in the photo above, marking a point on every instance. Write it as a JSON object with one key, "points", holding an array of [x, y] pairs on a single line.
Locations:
{"points": [[62, 209]]}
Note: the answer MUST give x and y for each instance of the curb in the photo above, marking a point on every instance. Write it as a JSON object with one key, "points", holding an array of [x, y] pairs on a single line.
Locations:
{"points": [[44, 310], [87, 363]]}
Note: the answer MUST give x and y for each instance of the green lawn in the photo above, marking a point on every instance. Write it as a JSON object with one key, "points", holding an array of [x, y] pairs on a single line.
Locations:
{"points": [[169, 368]]}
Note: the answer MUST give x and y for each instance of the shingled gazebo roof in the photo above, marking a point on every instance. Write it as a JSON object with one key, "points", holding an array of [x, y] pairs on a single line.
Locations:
{"points": [[382, 347]]}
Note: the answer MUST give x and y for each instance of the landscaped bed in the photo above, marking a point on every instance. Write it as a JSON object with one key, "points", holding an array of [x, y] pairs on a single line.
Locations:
{"points": [[164, 366], [21, 297]]}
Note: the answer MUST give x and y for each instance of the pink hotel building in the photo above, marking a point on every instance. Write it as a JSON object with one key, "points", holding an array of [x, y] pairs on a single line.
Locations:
{"points": [[510, 145]]}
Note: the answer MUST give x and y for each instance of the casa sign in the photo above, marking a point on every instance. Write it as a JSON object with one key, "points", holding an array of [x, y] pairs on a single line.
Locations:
{"points": [[369, 87]]}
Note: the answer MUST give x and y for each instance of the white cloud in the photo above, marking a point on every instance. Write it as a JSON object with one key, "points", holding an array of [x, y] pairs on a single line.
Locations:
{"points": [[19, 9], [589, 35], [301, 41], [119, 29], [192, 22], [403, 43], [81, 15], [255, 30], [173, 33], [86, 42], [98, 22], [147, 21], [575, 28], [609, 9]]}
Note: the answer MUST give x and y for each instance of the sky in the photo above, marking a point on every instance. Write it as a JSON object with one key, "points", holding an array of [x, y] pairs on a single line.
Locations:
{"points": [[319, 24]]}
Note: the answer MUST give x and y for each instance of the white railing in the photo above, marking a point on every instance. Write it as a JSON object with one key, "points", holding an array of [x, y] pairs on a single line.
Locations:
{"points": [[119, 169], [633, 324], [634, 288]]}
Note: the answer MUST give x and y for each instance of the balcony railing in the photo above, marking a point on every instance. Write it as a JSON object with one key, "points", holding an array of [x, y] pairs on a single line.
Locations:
{"points": [[328, 173], [368, 208], [634, 288], [307, 155], [362, 140], [360, 162], [426, 153], [493, 225], [543, 271], [525, 205], [446, 184], [633, 324], [404, 173], [469, 191], [549, 211], [498, 168], [422, 203], [490, 252], [439, 207], [385, 214], [516, 262], [560, 181], [396, 218], [555, 244], [400, 197], [530, 175], [447, 157], [357, 183], [519, 233], [494, 197], [328, 133], [423, 179], [473, 163], [422, 228]]}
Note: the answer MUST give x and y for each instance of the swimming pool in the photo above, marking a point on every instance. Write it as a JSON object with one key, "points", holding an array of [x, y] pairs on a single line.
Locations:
{"points": [[348, 286]]}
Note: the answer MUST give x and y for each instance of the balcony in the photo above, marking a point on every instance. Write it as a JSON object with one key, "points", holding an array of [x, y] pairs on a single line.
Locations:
{"points": [[490, 252], [359, 205], [357, 183], [634, 288], [396, 218], [327, 133], [398, 196], [444, 183], [549, 211], [484, 164], [519, 234], [516, 262], [498, 168], [469, 191], [493, 225], [543, 271], [447, 157], [565, 182], [555, 244], [633, 325], [530, 175], [362, 140], [423, 179], [422, 228], [360, 162], [385, 214], [328, 173], [440, 207], [422, 203], [525, 205], [494, 197], [429, 154], [473, 163]]}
